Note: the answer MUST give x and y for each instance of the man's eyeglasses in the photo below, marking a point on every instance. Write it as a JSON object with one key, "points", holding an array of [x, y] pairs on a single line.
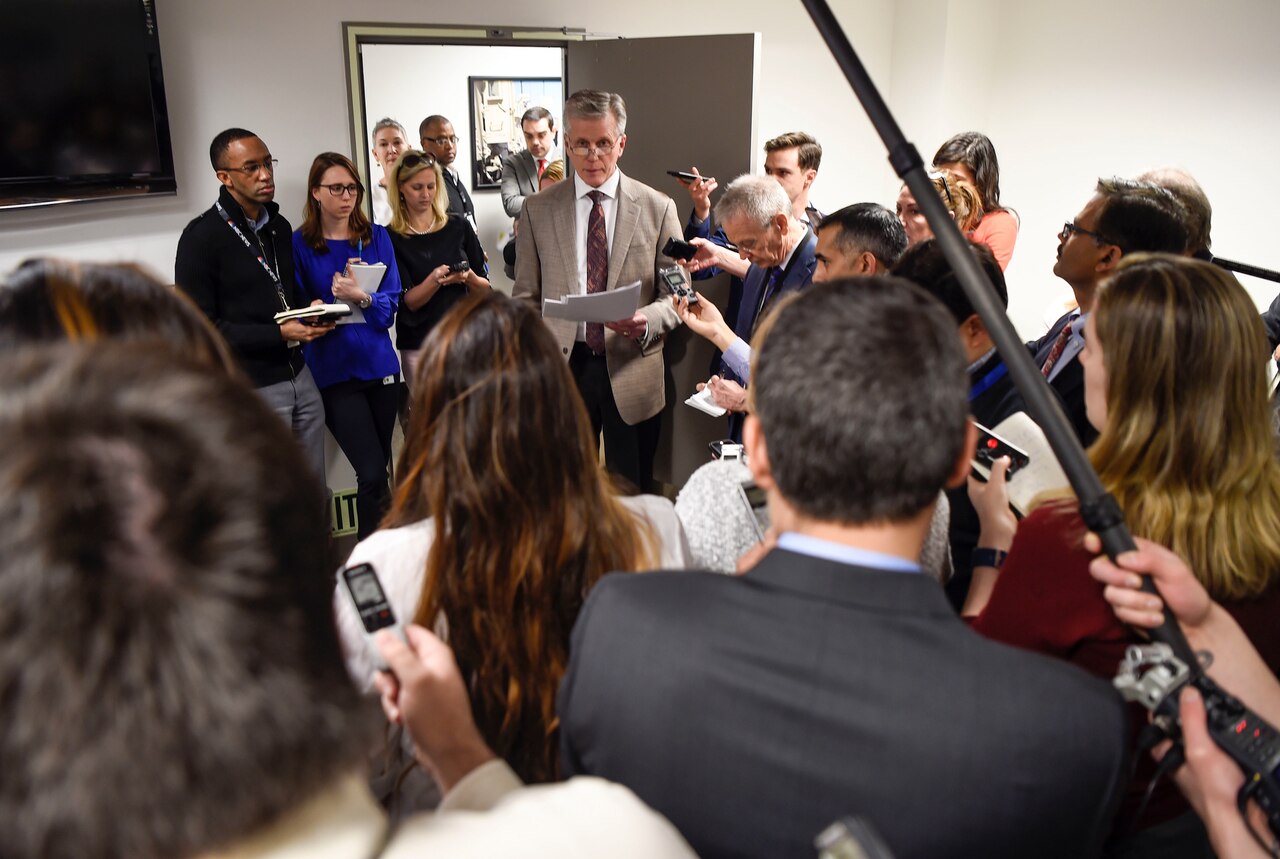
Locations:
{"points": [[451, 140], [1070, 227], [338, 190], [252, 168], [583, 150]]}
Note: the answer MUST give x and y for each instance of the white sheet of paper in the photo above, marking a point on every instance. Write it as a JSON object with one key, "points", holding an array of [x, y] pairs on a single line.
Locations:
{"points": [[704, 402], [610, 306], [368, 276]]}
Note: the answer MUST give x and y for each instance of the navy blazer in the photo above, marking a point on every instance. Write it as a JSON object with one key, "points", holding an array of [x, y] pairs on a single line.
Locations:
{"points": [[798, 277]]}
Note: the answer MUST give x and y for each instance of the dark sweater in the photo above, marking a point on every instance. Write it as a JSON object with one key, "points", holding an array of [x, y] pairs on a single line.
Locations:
{"points": [[417, 256], [226, 281]]}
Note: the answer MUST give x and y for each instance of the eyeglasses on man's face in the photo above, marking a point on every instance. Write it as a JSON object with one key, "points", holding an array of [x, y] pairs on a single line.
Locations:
{"points": [[253, 168], [582, 149], [340, 190], [1071, 227], [450, 140]]}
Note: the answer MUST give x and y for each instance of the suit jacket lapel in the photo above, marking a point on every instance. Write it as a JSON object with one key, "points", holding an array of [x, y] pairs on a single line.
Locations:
{"points": [[562, 224], [624, 227], [752, 284], [529, 168]]}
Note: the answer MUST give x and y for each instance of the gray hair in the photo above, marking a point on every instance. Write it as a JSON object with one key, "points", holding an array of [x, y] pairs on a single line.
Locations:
{"points": [[387, 122], [593, 104], [759, 199]]}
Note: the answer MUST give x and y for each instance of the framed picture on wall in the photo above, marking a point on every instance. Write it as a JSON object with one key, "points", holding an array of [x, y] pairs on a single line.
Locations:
{"points": [[496, 107]]}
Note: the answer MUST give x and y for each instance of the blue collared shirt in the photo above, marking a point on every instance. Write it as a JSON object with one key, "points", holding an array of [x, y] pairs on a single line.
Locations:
{"points": [[815, 547]]}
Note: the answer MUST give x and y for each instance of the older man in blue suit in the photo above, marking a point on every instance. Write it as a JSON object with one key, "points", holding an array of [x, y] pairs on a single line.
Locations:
{"points": [[757, 217]]}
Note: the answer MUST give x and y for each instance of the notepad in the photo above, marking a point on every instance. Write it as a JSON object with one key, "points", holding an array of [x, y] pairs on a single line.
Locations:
{"points": [[704, 402]]}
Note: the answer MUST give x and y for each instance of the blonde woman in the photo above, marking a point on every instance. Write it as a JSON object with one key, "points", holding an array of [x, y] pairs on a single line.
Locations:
{"points": [[1173, 384], [961, 198], [431, 248]]}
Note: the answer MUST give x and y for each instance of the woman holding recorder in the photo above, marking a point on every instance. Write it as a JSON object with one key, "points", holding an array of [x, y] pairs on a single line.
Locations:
{"points": [[355, 366]]}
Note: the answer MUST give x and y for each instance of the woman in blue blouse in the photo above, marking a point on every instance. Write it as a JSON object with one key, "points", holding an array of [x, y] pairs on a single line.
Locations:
{"points": [[355, 367]]}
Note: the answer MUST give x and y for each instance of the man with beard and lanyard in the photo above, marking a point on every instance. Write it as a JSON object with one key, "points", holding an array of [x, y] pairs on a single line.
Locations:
{"points": [[235, 263]]}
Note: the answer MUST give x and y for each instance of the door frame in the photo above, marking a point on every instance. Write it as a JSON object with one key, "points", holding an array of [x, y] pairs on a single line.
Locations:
{"points": [[355, 35]]}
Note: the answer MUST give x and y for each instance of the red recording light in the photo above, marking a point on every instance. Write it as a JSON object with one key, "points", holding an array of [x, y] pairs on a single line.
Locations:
{"points": [[1240, 727], [992, 444]]}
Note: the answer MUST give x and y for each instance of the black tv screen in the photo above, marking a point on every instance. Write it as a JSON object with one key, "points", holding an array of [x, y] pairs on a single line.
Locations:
{"points": [[82, 97]]}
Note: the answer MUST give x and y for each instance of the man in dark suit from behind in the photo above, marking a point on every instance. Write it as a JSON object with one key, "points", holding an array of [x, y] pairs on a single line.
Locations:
{"points": [[834, 678], [1122, 217]]}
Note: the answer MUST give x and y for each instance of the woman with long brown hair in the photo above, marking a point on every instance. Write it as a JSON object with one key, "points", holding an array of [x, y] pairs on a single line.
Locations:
{"points": [[355, 365], [1187, 447], [503, 520]]}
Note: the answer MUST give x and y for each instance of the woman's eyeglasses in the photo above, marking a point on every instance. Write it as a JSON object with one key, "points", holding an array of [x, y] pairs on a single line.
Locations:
{"points": [[342, 190]]}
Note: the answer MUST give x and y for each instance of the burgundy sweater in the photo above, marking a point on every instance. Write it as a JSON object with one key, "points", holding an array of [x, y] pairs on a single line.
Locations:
{"points": [[1046, 601]]}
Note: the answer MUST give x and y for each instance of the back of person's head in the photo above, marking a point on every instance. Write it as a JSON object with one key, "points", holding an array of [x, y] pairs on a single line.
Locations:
{"points": [[975, 151], [757, 199], [808, 150], [499, 452], [222, 142], [1139, 216], [171, 679], [553, 173], [1188, 446], [868, 227], [860, 391], [49, 300], [926, 266], [961, 198], [410, 164], [1195, 203]]}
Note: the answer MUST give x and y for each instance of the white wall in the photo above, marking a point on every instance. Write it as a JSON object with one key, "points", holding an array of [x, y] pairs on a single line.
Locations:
{"points": [[1067, 94], [411, 82]]}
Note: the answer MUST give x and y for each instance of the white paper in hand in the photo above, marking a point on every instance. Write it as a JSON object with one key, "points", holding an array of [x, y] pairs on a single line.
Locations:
{"points": [[368, 275], [704, 402], [610, 306]]}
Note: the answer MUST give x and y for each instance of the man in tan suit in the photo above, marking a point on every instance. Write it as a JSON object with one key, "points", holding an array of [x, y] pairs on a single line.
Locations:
{"points": [[600, 231]]}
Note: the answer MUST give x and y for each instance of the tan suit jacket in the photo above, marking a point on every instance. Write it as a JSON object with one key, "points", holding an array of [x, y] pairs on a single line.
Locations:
{"points": [[547, 267]]}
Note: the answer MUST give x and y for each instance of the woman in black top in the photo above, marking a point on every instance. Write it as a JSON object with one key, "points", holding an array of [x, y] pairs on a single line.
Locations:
{"points": [[428, 242]]}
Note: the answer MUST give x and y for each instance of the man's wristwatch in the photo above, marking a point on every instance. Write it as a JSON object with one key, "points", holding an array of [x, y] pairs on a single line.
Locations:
{"points": [[987, 557]]}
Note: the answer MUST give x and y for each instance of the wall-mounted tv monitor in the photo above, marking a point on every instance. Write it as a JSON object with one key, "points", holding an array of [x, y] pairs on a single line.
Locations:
{"points": [[82, 101]]}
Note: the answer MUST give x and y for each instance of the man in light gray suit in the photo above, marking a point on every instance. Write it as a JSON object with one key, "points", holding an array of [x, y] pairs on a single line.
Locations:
{"points": [[522, 170], [604, 231], [833, 678]]}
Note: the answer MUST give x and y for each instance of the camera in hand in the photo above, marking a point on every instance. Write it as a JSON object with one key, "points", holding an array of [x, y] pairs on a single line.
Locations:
{"points": [[459, 267], [678, 282]]}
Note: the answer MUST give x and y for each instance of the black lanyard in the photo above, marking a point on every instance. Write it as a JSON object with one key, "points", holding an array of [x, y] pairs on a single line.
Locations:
{"points": [[261, 258]]}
